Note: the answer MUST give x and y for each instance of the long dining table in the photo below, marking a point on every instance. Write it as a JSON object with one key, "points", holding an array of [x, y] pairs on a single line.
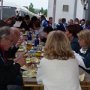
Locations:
{"points": [[30, 83]]}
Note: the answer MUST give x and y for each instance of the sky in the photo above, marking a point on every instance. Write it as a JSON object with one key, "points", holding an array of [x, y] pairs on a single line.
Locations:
{"points": [[37, 3]]}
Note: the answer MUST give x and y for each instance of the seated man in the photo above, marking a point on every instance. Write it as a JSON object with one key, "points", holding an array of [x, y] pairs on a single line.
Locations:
{"points": [[15, 33], [10, 73]]}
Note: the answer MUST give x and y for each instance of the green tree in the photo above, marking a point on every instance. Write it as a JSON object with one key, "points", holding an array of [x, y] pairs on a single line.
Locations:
{"points": [[45, 12], [42, 10], [31, 8]]}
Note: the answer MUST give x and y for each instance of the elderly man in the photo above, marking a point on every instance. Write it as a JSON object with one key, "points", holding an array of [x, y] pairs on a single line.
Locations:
{"points": [[10, 73], [15, 34]]}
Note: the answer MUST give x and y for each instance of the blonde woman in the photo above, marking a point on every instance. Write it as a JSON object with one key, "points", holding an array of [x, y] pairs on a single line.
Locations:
{"points": [[58, 70], [84, 41], [83, 56]]}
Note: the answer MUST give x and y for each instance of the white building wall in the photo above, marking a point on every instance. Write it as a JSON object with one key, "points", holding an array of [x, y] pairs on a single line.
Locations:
{"points": [[59, 9], [80, 11], [50, 8]]}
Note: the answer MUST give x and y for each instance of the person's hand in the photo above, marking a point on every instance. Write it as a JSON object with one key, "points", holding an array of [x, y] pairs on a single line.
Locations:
{"points": [[20, 41], [21, 60]]}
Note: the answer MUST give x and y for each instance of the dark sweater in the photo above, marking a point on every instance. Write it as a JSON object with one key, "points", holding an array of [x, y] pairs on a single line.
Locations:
{"points": [[86, 59], [75, 45], [11, 52], [10, 73]]}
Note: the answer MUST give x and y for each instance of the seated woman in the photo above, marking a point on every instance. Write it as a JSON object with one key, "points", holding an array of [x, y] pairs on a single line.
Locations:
{"points": [[84, 54], [10, 73], [58, 69], [71, 32], [83, 57]]}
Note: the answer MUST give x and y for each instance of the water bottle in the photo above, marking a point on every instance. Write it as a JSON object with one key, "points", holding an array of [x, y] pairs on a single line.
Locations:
{"points": [[36, 42], [29, 36]]}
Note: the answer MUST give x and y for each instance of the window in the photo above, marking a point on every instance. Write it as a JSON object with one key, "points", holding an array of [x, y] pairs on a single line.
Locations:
{"points": [[65, 8]]}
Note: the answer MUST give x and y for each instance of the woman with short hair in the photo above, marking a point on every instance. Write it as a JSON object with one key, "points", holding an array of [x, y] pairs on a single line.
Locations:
{"points": [[71, 32], [58, 69], [83, 56]]}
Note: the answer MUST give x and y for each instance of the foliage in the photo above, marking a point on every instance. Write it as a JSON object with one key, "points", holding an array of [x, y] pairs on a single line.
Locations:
{"points": [[37, 11], [31, 8]]}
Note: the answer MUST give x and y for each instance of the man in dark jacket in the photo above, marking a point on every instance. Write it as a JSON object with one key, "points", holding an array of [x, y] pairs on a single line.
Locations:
{"points": [[10, 73]]}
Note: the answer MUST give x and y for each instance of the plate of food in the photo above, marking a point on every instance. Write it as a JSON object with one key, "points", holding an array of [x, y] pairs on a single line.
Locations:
{"points": [[29, 73]]}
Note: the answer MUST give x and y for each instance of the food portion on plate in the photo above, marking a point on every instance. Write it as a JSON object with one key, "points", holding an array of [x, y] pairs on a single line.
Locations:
{"points": [[32, 60], [21, 48], [29, 73]]}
